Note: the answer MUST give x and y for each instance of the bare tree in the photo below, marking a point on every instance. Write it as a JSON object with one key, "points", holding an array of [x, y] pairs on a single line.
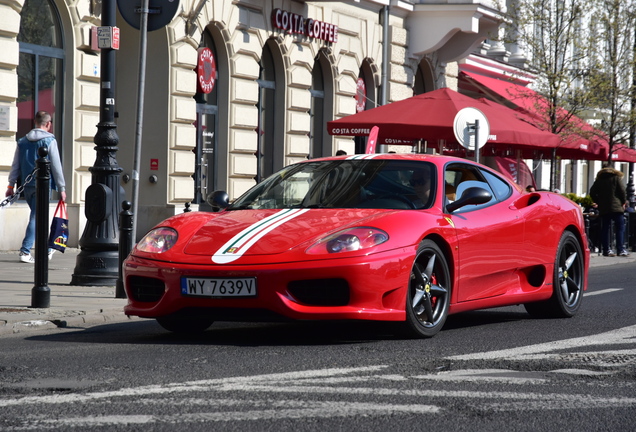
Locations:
{"points": [[610, 79], [553, 32]]}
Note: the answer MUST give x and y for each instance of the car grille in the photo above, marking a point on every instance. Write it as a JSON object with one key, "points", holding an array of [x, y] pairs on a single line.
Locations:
{"points": [[320, 292], [144, 289]]}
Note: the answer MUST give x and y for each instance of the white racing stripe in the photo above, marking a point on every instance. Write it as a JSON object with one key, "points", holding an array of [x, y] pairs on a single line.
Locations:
{"points": [[363, 156], [240, 243]]}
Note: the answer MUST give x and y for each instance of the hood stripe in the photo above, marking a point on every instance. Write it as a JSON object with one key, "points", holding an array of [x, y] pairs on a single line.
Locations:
{"points": [[363, 156], [240, 243]]}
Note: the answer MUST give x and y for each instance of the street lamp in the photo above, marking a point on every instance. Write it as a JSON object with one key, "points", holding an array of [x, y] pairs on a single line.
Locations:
{"points": [[98, 261]]}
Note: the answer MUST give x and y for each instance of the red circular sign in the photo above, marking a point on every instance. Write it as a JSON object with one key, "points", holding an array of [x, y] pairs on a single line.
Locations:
{"points": [[206, 70], [361, 95]]}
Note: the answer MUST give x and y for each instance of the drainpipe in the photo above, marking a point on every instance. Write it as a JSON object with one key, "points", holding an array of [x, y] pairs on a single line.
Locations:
{"points": [[385, 54], [385, 64]]}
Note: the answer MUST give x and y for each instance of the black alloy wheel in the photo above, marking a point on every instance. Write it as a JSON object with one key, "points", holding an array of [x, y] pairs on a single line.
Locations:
{"points": [[428, 297]]}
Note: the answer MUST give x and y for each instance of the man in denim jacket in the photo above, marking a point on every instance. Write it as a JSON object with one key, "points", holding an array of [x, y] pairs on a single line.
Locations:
{"points": [[26, 153]]}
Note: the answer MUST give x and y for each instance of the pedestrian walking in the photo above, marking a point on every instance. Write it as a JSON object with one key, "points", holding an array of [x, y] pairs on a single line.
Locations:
{"points": [[608, 192], [24, 158]]}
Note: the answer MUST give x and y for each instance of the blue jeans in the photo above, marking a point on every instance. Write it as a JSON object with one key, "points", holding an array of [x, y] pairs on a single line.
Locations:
{"points": [[619, 229], [29, 235]]}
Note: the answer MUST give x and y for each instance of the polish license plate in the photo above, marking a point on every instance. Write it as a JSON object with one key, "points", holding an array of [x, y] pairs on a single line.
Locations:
{"points": [[218, 288]]}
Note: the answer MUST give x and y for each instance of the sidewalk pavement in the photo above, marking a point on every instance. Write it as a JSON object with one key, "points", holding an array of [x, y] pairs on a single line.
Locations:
{"points": [[70, 305], [73, 305]]}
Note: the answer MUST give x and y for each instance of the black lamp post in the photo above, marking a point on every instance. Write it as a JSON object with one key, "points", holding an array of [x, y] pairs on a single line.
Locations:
{"points": [[41, 293], [98, 261], [632, 130]]}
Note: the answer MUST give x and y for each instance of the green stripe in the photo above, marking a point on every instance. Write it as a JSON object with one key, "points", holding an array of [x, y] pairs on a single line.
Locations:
{"points": [[257, 226]]}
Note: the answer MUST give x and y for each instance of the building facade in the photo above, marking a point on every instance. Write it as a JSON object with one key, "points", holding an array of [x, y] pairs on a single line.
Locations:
{"points": [[234, 89]]}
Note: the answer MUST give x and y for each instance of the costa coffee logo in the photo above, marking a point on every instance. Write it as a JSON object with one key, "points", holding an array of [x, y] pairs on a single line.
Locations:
{"points": [[297, 24], [206, 70]]}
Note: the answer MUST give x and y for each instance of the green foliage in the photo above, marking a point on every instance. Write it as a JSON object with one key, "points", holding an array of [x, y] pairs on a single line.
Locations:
{"points": [[585, 201]]}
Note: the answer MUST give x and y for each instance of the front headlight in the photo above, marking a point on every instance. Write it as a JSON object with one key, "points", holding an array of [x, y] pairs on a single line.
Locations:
{"points": [[350, 239], [158, 240]]}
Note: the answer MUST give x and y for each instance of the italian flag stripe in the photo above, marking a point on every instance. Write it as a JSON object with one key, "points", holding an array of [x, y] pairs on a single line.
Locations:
{"points": [[240, 243]]}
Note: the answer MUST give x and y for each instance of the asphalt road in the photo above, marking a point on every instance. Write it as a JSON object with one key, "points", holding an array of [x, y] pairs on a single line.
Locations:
{"points": [[487, 370]]}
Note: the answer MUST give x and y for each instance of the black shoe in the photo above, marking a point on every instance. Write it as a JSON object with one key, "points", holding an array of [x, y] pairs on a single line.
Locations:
{"points": [[609, 253]]}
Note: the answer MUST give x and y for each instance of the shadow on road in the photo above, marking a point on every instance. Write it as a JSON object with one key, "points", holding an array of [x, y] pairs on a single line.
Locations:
{"points": [[301, 333]]}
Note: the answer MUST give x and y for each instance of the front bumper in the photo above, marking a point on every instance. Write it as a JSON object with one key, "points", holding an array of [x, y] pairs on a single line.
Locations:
{"points": [[376, 284]]}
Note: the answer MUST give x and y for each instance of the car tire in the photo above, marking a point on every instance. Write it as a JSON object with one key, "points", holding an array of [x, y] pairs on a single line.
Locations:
{"points": [[568, 282], [428, 296], [184, 324]]}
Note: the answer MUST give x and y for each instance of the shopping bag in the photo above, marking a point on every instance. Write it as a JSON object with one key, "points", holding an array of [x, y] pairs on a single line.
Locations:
{"points": [[59, 228]]}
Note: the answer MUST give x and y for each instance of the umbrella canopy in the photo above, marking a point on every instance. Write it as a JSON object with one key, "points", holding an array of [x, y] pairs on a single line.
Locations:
{"points": [[430, 116]]}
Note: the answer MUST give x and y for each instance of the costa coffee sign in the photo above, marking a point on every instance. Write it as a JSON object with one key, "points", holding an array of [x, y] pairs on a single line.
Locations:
{"points": [[206, 70], [297, 24]]}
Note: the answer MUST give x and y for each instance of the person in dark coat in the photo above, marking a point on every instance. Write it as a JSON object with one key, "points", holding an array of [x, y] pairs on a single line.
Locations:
{"points": [[608, 192]]}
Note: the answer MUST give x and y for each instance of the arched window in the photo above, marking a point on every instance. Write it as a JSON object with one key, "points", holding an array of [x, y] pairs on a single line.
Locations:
{"points": [[267, 150], [424, 78], [41, 66], [321, 106], [207, 146], [366, 97], [316, 112]]}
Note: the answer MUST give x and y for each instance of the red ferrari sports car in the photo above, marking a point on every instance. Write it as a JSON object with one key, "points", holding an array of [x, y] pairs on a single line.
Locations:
{"points": [[389, 237]]}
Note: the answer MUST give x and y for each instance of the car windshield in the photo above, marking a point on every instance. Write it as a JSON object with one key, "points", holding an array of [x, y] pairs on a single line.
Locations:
{"points": [[349, 183]]}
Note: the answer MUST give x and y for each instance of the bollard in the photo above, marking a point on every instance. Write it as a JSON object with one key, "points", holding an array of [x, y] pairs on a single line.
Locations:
{"points": [[41, 293], [187, 208], [125, 244]]}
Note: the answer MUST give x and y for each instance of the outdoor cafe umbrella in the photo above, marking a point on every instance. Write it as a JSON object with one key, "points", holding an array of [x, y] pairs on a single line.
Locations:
{"points": [[430, 116]]}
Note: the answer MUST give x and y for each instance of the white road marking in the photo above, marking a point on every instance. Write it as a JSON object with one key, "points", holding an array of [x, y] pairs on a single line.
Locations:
{"points": [[311, 390], [487, 375], [185, 387], [584, 372], [605, 291], [625, 335], [595, 357], [317, 409]]}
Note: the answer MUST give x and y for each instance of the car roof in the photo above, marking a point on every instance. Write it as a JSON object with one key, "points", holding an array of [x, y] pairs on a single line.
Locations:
{"points": [[436, 159]]}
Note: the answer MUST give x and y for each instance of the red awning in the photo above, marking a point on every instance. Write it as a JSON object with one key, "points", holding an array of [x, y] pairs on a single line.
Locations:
{"points": [[622, 153], [516, 170], [583, 141], [430, 116]]}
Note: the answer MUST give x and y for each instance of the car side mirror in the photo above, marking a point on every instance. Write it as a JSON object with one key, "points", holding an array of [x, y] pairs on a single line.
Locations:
{"points": [[219, 200], [473, 195]]}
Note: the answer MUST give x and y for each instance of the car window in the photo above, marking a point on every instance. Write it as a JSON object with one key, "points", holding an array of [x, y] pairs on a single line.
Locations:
{"points": [[500, 187], [460, 177]]}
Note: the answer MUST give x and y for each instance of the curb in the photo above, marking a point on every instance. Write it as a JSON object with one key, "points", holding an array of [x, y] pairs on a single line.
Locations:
{"points": [[91, 318]]}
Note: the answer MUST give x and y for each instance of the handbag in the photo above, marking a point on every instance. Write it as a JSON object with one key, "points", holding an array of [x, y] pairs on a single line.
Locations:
{"points": [[59, 228]]}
